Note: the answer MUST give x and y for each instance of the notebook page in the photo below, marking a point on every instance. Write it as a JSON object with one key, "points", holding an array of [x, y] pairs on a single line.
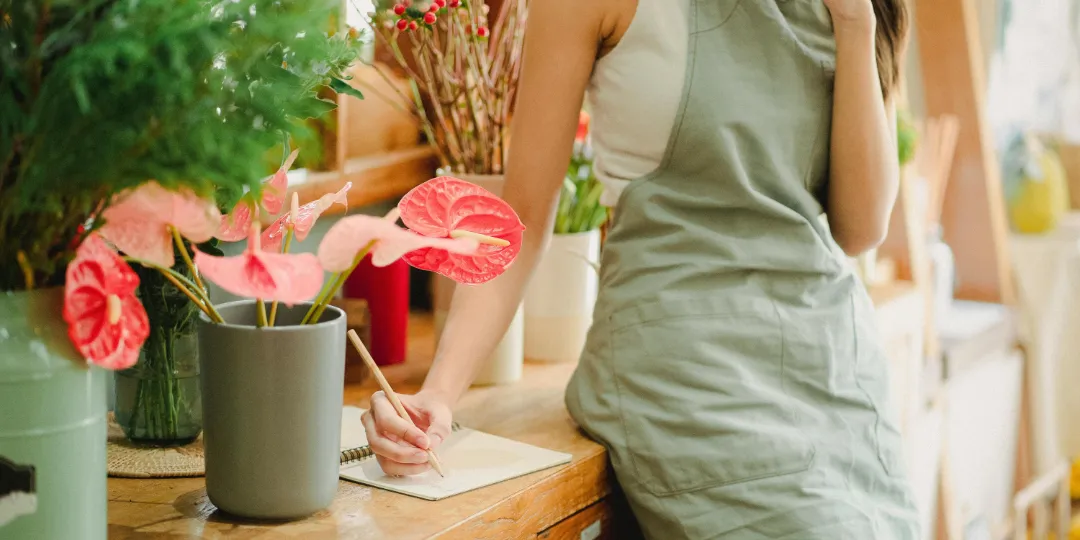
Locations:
{"points": [[352, 428], [471, 460]]}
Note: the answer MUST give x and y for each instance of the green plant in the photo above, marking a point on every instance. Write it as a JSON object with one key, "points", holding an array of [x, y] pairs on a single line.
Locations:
{"points": [[907, 138], [579, 202], [99, 96]]}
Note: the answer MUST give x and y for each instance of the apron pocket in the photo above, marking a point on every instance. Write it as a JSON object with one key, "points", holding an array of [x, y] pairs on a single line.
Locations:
{"points": [[872, 371], [701, 393]]}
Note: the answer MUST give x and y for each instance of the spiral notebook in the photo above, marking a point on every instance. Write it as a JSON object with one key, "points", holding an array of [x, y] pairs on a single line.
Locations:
{"points": [[471, 460]]}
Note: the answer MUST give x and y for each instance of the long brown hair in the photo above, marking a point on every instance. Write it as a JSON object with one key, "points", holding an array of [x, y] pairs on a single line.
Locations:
{"points": [[891, 40]]}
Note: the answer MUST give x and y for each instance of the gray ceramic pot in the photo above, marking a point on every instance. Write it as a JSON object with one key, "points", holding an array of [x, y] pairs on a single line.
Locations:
{"points": [[272, 410]]}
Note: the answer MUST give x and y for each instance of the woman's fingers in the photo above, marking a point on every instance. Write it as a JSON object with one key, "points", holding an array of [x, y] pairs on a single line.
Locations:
{"points": [[394, 468], [439, 427], [384, 448], [388, 421]]}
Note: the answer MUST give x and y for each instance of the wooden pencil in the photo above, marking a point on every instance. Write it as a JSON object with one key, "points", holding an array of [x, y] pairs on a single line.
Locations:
{"points": [[385, 386]]}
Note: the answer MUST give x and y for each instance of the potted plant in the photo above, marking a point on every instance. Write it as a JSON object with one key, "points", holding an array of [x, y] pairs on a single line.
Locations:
{"points": [[560, 298], [95, 99], [273, 365], [463, 74]]}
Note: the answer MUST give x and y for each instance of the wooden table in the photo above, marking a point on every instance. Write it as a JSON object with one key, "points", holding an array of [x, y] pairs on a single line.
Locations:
{"points": [[553, 504], [556, 504]]}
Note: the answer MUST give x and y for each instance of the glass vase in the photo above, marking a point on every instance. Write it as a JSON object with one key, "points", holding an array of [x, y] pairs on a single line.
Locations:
{"points": [[158, 402]]}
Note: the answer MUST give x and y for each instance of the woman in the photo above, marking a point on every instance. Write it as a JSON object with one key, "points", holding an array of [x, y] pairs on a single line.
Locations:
{"points": [[732, 370]]}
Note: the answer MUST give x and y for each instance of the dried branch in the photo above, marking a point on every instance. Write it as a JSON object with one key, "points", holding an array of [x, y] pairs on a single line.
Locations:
{"points": [[464, 75]]}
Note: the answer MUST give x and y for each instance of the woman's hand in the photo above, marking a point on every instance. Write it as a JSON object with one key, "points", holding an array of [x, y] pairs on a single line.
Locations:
{"points": [[852, 13], [399, 447]]}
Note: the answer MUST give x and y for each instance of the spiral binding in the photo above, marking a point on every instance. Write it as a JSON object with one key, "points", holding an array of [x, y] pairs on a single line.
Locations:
{"points": [[364, 452]]}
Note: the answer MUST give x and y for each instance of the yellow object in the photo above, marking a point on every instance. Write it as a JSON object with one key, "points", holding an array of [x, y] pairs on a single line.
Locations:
{"points": [[1074, 480], [1044, 194]]}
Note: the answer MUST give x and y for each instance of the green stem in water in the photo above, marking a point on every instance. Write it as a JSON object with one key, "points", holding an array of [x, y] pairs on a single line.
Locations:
{"points": [[284, 249], [318, 308]]}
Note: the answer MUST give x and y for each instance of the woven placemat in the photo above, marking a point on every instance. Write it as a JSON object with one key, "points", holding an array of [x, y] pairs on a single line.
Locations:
{"points": [[128, 461]]}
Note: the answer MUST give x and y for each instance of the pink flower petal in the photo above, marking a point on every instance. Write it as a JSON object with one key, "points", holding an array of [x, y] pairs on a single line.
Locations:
{"points": [[95, 275], [147, 241], [307, 214], [444, 204], [290, 279], [135, 324], [351, 234], [488, 263], [426, 208], [273, 195], [299, 277], [138, 222], [236, 226], [196, 219]]}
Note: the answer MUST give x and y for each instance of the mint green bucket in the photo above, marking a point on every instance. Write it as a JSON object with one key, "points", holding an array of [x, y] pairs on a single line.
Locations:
{"points": [[52, 426]]}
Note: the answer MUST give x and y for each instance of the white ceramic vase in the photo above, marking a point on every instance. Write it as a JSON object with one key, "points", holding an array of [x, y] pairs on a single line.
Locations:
{"points": [[505, 364], [560, 299], [943, 266]]}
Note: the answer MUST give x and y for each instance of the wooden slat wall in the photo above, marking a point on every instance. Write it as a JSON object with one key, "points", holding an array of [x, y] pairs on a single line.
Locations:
{"points": [[953, 74]]}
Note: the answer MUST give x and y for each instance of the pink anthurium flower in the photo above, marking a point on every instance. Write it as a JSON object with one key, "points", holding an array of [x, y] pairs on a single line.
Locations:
{"points": [[289, 279], [306, 216], [138, 223], [350, 235], [235, 226], [106, 322], [447, 207]]}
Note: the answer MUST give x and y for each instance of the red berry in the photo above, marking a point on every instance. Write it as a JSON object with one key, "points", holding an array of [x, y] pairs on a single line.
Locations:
{"points": [[441, 3], [413, 25], [399, 9], [402, 24], [433, 7], [455, 3], [429, 18], [482, 31]]}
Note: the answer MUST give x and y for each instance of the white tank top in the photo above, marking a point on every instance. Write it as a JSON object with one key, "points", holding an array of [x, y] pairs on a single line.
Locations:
{"points": [[633, 95]]}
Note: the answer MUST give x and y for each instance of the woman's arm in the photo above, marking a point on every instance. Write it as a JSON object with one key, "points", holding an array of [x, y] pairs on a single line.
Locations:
{"points": [[560, 48], [561, 44], [864, 165]]}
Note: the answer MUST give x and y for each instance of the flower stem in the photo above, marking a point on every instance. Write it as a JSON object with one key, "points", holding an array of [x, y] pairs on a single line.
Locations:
{"points": [[27, 270], [260, 313], [191, 296], [284, 249], [318, 308], [198, 296], [318, 299], [187, 260]]}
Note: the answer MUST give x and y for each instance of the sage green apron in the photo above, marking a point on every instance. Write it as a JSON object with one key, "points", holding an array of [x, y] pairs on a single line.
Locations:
{"points": [[733, 369]]}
